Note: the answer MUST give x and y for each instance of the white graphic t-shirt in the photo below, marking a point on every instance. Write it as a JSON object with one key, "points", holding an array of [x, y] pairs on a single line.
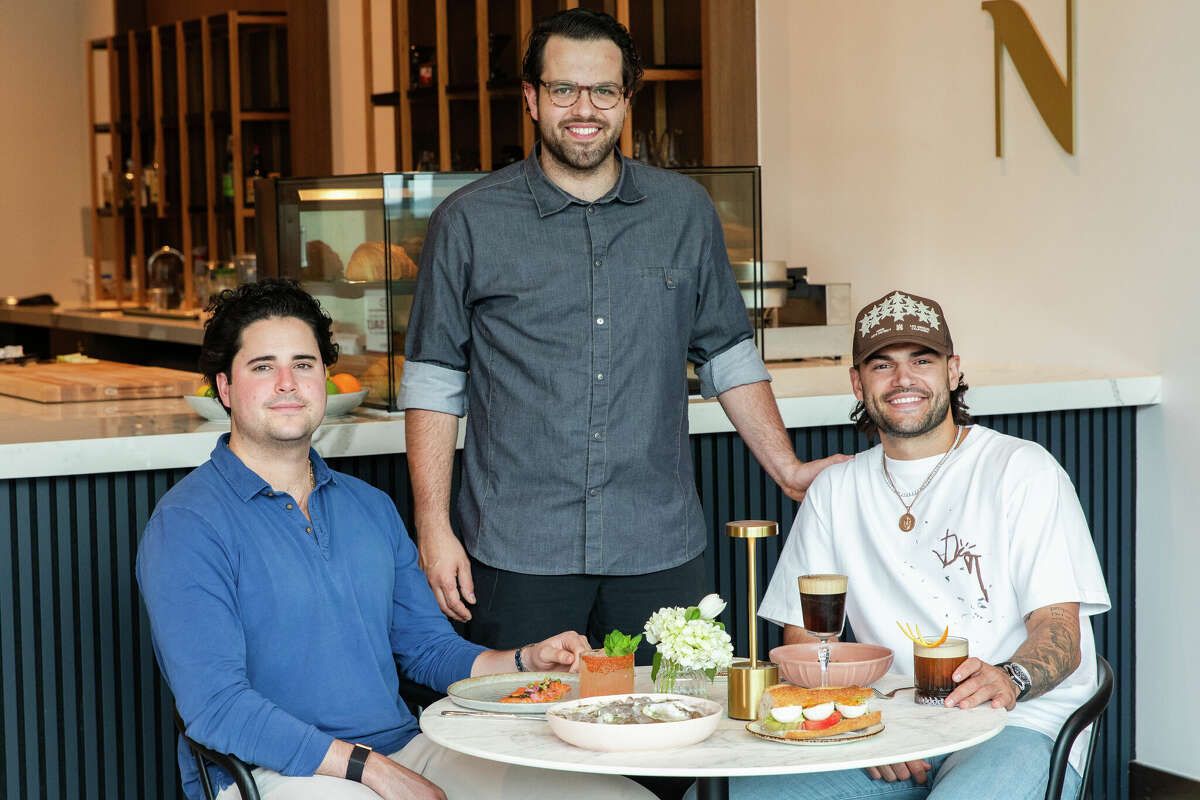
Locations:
{"points": [[999, 534]]}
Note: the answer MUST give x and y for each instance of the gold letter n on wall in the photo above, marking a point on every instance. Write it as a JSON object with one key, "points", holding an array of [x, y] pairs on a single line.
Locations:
{"points": [[1053, 96]]}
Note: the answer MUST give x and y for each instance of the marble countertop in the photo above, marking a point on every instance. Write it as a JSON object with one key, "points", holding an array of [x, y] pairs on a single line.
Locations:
{"points": [[910, 732], [39, 440], [110, 322]]}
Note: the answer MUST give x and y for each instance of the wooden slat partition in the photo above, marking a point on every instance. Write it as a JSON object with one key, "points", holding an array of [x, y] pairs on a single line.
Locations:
{"points": [[159, 160], [118, 210], [524, 26], [185, 173], [368, 51], [137, 267], [400, 80], [482, 73], [236, 117], [89, 51], [210, 164], [443, 78]]}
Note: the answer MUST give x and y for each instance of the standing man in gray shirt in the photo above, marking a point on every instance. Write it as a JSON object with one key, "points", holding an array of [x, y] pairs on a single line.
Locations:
{"points": [[558, 302]]}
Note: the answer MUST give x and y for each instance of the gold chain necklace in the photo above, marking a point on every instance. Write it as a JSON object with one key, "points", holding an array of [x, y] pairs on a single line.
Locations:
{"points": [[907, 520]]}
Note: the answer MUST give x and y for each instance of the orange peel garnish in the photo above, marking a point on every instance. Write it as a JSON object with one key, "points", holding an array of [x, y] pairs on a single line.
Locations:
{"points": [[918, 638]]}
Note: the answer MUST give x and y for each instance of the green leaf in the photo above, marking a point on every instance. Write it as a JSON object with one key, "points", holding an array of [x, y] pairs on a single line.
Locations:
{"points": [[711, 672], [655, 665], [693, 612], [618, 644]]}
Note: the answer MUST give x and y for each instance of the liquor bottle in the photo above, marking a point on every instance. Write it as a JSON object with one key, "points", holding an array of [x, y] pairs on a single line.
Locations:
{"points": [[227, 175], [254, 172]]}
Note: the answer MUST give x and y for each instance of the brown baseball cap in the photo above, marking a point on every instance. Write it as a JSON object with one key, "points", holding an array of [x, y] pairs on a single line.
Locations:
{"points": [[900, 317]]}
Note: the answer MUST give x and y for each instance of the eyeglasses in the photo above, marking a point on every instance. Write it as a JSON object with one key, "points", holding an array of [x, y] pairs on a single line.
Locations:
{"points": [[565, 94]]}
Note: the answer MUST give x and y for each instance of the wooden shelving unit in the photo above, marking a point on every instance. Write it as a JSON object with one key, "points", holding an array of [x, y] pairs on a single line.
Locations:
{"points": [[675, 37], [174, 92]]}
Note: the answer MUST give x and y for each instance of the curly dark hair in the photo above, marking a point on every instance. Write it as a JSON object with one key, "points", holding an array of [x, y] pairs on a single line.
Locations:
{"points": [[233, 310], [958, 412], [581, 24]]}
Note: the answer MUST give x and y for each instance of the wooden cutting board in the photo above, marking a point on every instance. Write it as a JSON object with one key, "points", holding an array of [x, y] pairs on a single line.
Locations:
{"points": [[58, 382]]}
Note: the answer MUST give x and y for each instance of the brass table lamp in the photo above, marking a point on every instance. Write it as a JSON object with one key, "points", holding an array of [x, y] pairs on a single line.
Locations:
{"points": [[748, 679]]}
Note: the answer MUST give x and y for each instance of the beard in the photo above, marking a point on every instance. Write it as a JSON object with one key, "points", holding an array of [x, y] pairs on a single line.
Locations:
{"points": [[877, 411], [580, 156]]}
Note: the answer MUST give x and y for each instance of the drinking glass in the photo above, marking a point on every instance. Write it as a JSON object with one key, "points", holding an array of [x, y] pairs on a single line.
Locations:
{"points": [[604, 674], [823, 601], [934, 668]]}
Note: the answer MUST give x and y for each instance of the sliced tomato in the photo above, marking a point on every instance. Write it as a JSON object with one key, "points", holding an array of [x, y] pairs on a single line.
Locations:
{"points": [[822, 724]]}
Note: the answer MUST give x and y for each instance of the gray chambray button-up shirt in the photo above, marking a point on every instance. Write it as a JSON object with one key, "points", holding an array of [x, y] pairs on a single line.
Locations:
{"points": [[565, 326]]}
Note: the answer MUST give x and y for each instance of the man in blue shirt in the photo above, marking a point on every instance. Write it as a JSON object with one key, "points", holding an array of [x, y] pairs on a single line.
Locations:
{"points": [[281, 593]]}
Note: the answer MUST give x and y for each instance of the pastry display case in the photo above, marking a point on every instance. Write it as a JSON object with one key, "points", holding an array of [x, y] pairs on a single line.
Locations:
{"points": [[354, 242]]}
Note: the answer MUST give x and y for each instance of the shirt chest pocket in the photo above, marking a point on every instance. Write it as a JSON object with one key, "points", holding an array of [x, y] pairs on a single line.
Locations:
{"points": [[661, 301]]}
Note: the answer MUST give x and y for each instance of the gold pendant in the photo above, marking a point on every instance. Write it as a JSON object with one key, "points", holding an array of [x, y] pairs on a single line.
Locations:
{"points": [[907, 522]]}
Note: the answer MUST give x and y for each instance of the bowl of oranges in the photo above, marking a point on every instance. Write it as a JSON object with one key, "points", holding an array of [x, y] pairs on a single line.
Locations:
{"points": [[343, 393]]}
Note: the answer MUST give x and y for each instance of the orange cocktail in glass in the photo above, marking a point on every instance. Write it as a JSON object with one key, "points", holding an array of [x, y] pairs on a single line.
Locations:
{"points": [[605, 674]]}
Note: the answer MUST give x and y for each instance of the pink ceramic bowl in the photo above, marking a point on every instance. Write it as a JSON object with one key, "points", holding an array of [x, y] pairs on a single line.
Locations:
{"points": [[850, 663]]}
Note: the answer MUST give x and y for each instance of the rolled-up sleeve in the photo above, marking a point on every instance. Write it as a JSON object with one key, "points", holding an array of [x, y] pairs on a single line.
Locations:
{"points": [[437, 348], [433, 388], [739, 365]]}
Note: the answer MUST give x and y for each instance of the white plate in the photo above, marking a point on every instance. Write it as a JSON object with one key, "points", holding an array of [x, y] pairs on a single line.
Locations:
{"points": [[484, 693], [336, 405], [632, 738], [757, 729]]}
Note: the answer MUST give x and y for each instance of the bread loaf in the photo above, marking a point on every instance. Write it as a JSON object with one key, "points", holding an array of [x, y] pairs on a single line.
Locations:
{"points": [[323, 262], [367, 263]]}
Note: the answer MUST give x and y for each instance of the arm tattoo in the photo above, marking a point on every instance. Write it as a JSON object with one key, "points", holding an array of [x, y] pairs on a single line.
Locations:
{"points": [[1051, 651]]}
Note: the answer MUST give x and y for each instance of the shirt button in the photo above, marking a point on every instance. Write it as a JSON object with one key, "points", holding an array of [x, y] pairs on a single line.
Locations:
{"points": [[593, 492], [599, 320], [599, 376], [308, 529], [270, 494], [591, 209], [597, 262], [290, 506], [598, 436]]}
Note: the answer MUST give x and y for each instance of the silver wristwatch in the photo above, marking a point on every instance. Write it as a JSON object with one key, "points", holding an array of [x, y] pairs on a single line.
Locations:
{"points": [[1019, 676]]}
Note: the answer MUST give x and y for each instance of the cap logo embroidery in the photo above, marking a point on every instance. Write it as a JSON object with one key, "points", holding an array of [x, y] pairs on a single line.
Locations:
{"points": [[897, 306]]}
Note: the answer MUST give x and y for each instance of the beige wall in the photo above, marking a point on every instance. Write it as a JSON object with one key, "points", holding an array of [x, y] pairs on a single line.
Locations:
{"points": [[43, 143], [877, 142]]}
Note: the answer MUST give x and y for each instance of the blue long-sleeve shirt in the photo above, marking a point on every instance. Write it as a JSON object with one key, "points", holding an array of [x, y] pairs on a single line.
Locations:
{"points": [[277, 634]]}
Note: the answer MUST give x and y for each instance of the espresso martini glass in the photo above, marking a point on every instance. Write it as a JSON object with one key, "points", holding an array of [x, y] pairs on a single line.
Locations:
{"points": [[823, 602]]}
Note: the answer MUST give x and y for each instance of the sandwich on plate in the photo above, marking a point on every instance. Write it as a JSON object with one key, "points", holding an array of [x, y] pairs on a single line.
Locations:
{"points": [[794, 712]]}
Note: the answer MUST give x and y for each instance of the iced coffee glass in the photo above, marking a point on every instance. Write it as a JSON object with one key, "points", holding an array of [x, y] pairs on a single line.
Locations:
{"points": [[934, 669], [823, 604], [605, 674]]}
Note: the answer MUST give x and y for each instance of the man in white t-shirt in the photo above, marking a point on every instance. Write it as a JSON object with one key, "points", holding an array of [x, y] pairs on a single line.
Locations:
{"points": [[945, 523]]}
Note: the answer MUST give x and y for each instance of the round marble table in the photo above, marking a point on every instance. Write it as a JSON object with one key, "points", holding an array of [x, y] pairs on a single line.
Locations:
{"points": [[910, 732]]}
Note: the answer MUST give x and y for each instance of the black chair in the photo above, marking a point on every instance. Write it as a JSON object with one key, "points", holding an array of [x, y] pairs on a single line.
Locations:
{"points": [[1087, 714], [416, 696], [240, 771]]}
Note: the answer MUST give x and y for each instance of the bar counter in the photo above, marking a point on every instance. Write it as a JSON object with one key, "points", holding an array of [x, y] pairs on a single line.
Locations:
{"points": [[39, 440]]}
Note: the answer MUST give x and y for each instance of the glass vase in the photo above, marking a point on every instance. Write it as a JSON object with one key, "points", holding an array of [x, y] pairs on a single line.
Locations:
{"points": [[677, 679]]}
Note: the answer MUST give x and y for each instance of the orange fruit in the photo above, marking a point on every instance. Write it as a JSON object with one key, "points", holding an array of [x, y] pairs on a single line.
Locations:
{"points": [[346, 382]]}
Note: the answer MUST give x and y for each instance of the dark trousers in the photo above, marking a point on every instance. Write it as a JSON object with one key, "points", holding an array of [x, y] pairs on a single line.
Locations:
{"points": [[515, 609]]}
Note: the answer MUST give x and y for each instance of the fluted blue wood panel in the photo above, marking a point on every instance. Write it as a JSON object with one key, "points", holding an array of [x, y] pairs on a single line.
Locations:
{"points": [[86, 715]]}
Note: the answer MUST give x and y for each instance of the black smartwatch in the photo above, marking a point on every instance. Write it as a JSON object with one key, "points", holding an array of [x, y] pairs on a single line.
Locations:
{"points": [[1019, 676], [358, 760]]}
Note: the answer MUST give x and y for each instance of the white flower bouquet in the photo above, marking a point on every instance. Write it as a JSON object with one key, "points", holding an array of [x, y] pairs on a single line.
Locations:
{"points": [[689, 640]]}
